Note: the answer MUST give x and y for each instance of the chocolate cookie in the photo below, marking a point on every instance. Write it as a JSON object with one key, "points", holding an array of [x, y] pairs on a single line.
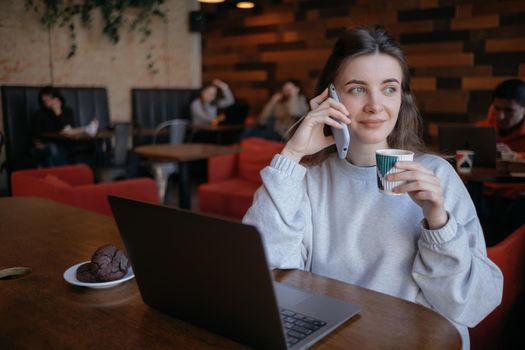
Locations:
{"points": [[107, 264], [85, 273], [110, 263]]}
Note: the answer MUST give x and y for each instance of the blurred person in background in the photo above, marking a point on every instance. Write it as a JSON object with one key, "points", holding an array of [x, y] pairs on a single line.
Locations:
{"points": [[205, 108], [284, 108], [503, 204], [52, 116], [507, 114]]}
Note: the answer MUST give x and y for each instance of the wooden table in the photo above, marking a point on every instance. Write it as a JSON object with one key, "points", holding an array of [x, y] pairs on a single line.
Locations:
{"points": [[41, 310], [183, 154], [100, 141], [502, 173], [217, 130]]}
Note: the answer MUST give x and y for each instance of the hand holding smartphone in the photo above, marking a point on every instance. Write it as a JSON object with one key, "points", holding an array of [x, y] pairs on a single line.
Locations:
{"points": [[341, 136]]}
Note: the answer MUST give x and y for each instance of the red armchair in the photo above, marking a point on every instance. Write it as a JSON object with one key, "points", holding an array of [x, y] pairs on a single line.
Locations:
{"points": [[73, 185], [497, 329], [233, 179]]}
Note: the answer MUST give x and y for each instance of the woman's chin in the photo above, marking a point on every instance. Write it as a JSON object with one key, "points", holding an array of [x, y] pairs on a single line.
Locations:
{"points": [[371, 138]]}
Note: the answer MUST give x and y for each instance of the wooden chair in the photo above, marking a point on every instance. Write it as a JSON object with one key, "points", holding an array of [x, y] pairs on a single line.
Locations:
{"points": [[499, 330]]}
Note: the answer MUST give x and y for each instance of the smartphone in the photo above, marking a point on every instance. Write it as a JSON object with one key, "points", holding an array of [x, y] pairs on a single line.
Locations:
{"points": [[341, 136]]}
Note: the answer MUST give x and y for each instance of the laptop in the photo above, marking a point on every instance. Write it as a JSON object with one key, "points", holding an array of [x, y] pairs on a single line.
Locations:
{"points": [[481, 140], [213, 273], [235, 114]]}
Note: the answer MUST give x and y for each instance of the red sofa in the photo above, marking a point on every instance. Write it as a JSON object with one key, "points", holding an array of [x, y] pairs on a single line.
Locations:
{"points": [[233, 179], [503, 328], [73, 185]]}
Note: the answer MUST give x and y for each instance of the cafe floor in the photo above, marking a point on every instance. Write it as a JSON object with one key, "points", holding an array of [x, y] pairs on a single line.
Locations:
{"points": [[172, 195]]}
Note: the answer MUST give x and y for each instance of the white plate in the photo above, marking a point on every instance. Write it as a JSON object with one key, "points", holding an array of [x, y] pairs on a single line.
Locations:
{"points": [[70, 275]]}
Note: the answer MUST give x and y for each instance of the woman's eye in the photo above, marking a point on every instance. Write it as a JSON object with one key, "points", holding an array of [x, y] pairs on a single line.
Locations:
{"points": [[357, 90], [389, 90]]}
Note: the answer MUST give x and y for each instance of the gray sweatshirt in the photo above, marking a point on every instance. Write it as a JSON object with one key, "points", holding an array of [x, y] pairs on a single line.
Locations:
{"points": [[332, 220]]}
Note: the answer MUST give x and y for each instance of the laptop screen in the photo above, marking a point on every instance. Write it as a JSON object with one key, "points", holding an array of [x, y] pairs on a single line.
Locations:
{"points": [[481, 140]]}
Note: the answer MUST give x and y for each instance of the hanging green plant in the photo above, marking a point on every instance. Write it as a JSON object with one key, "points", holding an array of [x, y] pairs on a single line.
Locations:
{"points": [[63, 14]]}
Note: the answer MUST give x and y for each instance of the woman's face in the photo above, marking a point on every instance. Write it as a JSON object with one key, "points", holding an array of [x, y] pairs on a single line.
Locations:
{"points": [[49, 101], [209, 94], [370, 88], [290, 90]]}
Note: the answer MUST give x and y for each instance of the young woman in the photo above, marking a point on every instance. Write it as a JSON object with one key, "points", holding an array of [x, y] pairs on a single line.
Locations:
{"points": [[205, 108], [52, 116], [283, 109], [327, 216]]}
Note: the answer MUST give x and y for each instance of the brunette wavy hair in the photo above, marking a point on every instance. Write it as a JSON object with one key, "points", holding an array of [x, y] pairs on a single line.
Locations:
{"points": [[361, 41]]}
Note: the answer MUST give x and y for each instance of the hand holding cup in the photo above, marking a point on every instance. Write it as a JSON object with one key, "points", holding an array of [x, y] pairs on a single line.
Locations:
{"points": [[400, 176]]}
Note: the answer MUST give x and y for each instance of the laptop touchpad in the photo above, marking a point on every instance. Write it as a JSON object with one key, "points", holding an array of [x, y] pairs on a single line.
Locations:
{"points": [[288, 297]]}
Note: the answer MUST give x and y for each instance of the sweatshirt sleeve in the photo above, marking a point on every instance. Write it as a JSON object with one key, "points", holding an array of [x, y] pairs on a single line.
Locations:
{"points": [[227, 98], [199, 115], [451, 266], [282, 214]]}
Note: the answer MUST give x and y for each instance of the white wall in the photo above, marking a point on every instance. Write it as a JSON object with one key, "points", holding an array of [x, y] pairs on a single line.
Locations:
{"points": [[32, 55]]}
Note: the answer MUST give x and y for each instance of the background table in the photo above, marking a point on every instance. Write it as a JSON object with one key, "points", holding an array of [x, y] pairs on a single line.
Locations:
{"points": [[502, 173], [42, 310], [182, 154]]}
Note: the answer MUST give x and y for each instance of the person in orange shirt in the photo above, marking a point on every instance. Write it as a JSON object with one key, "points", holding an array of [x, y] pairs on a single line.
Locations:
{"points": [[503, 203], [507, 114]]}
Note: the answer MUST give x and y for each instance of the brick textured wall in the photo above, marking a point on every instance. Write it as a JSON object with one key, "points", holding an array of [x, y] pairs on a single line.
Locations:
{"points": [[27, 50], [458, 50]]}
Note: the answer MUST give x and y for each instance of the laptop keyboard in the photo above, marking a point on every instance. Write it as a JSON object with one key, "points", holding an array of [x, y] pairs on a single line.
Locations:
{"points": [[298, 326]]}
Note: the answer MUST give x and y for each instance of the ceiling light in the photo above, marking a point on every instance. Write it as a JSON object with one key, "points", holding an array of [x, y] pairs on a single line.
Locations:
{"points": [[245, 4]]}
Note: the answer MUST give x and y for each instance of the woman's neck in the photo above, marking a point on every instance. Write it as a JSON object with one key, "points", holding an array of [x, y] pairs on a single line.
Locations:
{"points": [[361, 154]]}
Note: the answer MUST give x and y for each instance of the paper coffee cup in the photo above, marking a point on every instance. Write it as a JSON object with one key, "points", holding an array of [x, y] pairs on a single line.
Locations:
{"points": [[464, 161], [386, 160]]}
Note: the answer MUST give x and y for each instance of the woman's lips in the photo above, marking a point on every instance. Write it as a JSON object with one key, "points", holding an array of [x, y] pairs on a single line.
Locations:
{"points": [[372, 123]]}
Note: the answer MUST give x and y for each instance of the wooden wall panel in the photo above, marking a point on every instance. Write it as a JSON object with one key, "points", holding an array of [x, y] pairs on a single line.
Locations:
{"points": [[482, 83], [452, 46], [238, 76], [241, 40], [498, 7], [410, 27], [488, 21], [423, 84], [440, 59], [463, 10], [458, 50], [444, 101], [459, 71], [505, 45], [315, 55], [271, 18], [220, 59]]}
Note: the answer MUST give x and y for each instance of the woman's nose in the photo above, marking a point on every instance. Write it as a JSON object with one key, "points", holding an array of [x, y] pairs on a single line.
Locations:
{"points": [[374, 103]]}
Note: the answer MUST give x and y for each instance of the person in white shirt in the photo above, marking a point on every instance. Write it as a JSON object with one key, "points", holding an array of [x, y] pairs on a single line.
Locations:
{"points": [[326, 215], [284, 108]]}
